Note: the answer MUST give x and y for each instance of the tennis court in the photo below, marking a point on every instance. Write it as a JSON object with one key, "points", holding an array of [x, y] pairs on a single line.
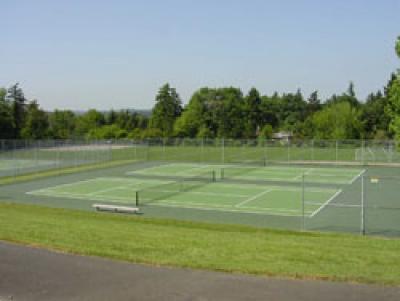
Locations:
{"points": [[324, 175], [197, 188]]}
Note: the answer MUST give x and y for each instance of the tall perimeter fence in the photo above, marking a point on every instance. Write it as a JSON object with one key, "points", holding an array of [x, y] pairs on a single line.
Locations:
{"points": [[370, 204]]}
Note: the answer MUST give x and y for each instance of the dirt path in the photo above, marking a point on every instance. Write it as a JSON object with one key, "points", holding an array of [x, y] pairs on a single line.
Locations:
{"points": [[36, 274]]}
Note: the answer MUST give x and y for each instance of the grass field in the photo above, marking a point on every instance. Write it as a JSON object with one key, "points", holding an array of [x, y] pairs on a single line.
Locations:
{"points": [[219, 195], [227, 248]]}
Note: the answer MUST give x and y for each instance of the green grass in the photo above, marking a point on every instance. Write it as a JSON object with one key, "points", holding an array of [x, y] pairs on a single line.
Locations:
{"points": [[228, 248]]}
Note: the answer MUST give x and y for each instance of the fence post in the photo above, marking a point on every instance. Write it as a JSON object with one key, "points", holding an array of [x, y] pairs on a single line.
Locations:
{"points": [[264, 146], [223, 150], [336, 151], [163, 149], [14, 158], [362, 152], [362, 229], [303, 225], [202, 150], [312, 150]]}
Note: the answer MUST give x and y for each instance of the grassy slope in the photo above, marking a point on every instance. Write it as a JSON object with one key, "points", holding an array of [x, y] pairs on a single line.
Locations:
{"points": [[195, 245]]}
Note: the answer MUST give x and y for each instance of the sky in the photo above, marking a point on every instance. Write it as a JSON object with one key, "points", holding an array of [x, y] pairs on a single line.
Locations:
{"points": [[116, 54]]}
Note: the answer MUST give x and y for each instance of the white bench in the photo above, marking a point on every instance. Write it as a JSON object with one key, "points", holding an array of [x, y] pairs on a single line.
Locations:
{"points": [[114, 208]]}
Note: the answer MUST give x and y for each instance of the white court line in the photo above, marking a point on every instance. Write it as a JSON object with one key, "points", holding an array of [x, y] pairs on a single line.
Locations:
{"points": [[203, 193], [326, 203], [253, 198], [193, 168], [226, 206], [335, 205], [274, 187], [161, 172], [357, 176], [224, 210], [113, 188], [51, 188], [307, 172], [144, 170], [84, 197]]}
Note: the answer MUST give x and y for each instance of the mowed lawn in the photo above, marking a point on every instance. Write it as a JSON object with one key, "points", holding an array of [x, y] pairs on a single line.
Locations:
{"points": [[206, 246]]}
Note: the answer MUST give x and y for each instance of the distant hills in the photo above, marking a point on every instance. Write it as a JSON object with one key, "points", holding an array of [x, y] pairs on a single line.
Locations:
{"points": [[141, 112]]}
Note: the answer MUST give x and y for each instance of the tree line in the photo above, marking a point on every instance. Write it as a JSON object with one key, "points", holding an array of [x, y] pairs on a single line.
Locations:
{"points": [[215, 113]]}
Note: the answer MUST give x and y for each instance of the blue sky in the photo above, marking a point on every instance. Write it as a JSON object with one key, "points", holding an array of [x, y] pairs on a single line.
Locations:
{"points": [[116, 54]]}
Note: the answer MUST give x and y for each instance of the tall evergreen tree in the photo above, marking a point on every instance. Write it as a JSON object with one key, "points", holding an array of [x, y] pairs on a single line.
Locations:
{"points": [[167, 109], [252, 103], [313, 103], [18, 103]]}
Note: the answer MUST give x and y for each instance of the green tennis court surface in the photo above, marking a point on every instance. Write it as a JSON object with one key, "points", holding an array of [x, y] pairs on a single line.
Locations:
{"points": [[328, 175], [257, 199]]}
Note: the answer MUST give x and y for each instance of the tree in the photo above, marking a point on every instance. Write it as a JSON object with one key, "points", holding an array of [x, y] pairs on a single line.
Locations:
{"points": [[18, 102], [37, 123], [336, 121], [62, 124], [269, 109], [167, 109], [252, 108], [111, 117], [393, 94], [112, 131], [349, 96], [266, 132], [197, 115], [92, 119], [374, 118], [6, 118], [313, 103]]}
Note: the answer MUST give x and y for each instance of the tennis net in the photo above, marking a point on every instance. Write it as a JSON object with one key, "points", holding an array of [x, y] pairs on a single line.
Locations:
{"points": [[240, 168], [161, 192]]}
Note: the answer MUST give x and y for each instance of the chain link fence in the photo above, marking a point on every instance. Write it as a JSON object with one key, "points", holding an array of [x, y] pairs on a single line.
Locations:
{"points": [[25, 156]]}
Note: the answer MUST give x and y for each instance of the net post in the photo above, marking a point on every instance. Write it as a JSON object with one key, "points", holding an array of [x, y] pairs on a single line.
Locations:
{"points": [[137, 198], [213, 177], [303, 224]]}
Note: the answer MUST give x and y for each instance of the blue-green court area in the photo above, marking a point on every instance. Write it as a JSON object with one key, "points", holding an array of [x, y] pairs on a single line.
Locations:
{"points": [[218, 196], [322, 175]]}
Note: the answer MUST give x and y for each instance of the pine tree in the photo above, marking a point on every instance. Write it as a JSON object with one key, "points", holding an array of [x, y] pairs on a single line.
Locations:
{"points": [[167, 109], [18, 108]]}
